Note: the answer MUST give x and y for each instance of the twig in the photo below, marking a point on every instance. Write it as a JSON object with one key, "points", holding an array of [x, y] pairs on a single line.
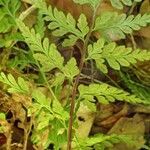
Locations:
{"points": [[26, 134], [132, 8], [133, 42], [25, 139], [129, 13]]}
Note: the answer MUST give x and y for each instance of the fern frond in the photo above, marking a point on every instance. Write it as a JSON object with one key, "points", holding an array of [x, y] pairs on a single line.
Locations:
{"points": [[53, 107], [116, 56], [119, 3], [50, 119], [62, 24], [46, 53], [19, 86], [138, 89], [111, 23], [51, 60], [70, 69], [58, 24], [104, 141], [105, 94], [8, 10], [32, 39]]}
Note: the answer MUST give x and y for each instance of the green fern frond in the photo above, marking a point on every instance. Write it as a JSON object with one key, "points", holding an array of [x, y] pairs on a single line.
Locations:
{"points": [[68, 26], [19, 86], [62, 24], [105, 94], [50, 119], [70, 69], [138, 89], [120, 3], [113, 24], [104, 141], [31, 38], [53, 107], [46, 53], [58, 24], [116, 56], [8, 10], [51, 60]]}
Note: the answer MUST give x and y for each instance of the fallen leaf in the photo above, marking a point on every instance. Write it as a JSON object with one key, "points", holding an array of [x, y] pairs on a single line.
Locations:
{"points": [[85, 121], [132, 127]]}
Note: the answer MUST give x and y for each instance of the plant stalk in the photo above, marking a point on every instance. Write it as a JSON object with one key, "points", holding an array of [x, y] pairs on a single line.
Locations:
{"points": [[75, 86]]}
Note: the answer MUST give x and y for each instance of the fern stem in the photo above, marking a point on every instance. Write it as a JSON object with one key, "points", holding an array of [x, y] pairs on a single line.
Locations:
{"points": [[44, 77], [132, 8], [26, 133], [133, 42], [76, 82]]}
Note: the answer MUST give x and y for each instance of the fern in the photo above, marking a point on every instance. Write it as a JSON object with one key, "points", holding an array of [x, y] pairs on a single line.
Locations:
{"points": [[112, 24], [61, 24], [47, 54], [19, 86], [119, 3], [48, 117], [8, 10], [116, 56], [105, 94], [47, 128], [101, 142], [53, 107], [70, 69], [49, 122], [136, 88], [51, 60]]}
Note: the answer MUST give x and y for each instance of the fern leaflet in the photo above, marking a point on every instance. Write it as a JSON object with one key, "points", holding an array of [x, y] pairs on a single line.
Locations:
{"points": [[105, 94], [19, 86], [119, 3], [8, 10], [62, 24], [113, 24], [101, 141], [116, 56]]}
